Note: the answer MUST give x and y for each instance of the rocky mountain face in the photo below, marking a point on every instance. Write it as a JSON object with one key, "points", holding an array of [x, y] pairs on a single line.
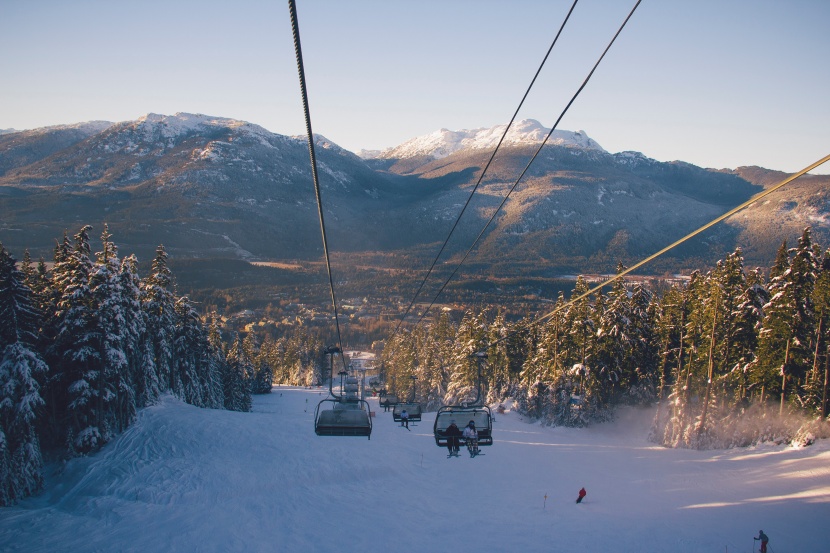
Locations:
{"points": [[209, 187]]}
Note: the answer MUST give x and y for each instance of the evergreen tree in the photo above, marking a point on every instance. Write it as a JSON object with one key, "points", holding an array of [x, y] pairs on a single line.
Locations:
{"points": [[643, 356], [816, 386], [470, 339], [437, 361], [160, 306], [497, 374], [20, 400], [264, 377], [580, 325], [236, 387], [143, 378], [115, 387], [803, 274], [677, 431], [189, 359], [215, 398], [784, 348], [613, 343], [78, 351]]}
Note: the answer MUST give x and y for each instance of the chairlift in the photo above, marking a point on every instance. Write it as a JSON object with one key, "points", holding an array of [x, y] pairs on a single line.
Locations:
{"points": [[388, 401], [345, 414], [412, 407], [462, 414]]}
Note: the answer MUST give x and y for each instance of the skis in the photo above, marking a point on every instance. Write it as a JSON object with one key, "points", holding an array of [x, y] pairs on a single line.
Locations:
{"points": [[471, 455]]}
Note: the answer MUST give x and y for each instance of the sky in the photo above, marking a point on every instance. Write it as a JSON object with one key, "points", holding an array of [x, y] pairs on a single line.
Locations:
{"points": [[717, 84], [184, 479]]}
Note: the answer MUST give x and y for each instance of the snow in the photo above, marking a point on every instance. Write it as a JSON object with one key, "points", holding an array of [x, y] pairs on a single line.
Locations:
{"points": [[173, 126], [91, 127], [184, 479], [443, 143]]}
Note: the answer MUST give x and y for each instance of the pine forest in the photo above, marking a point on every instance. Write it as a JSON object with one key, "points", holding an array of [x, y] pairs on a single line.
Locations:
{"points": [[731, 357]]}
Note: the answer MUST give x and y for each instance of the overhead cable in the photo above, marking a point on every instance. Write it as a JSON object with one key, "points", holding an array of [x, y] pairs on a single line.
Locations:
{"points": [[527, 167], [298, 49], [481, 176], [654, 256]]}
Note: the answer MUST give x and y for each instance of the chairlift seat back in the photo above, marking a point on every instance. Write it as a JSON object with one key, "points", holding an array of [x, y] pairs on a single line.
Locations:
{"points": [[412, 409], [343, 419], [481, 415]]}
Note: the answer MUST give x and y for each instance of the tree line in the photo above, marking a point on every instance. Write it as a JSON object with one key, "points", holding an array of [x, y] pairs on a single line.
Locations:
{"points": [[87, 343], [726, 355]]}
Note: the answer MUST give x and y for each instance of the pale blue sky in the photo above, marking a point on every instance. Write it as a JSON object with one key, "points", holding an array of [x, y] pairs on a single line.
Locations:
{"points": [[717, 83]]}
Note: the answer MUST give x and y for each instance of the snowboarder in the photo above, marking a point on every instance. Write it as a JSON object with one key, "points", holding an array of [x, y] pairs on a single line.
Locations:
{"points": [[452, 433], [582, 494], [764, 540], [471, 436], [405, 419]]}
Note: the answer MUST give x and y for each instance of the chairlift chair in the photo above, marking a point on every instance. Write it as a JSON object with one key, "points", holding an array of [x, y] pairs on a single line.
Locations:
{"points": [[335, 417], [462, 415], [344, 414], [475, 411], [389, 401], [412, 409]]}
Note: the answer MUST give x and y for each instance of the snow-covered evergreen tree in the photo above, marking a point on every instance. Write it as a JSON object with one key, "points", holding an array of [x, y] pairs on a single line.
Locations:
{"points": [[196, 361], [236, 386], [143, 379], [816, 387], [613, 344], [470, 339], [643, 370], [160, 306], [115, 387], [20, 400], [190, 342], [77, 347]]}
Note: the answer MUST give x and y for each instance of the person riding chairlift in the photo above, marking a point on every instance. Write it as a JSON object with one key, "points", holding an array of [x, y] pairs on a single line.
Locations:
{"points": [[471, 436], [453, 433]]}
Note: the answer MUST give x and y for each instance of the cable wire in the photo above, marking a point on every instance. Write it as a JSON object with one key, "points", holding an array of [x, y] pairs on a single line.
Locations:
{"points": [[301, 69], [481, 176], [532, 159], [654, 256]]}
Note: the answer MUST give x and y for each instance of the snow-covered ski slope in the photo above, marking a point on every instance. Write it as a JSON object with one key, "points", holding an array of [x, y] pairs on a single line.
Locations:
{"points": [[184, 479]]}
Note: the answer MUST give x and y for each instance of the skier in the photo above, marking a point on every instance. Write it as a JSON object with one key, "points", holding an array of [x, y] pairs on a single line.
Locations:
{"points": [[471, 436], [452, 433], [405, 419], [582, 494], [764, 540]]}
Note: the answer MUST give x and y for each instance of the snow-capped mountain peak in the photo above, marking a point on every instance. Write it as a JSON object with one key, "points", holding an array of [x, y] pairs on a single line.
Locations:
{"points": [[183, 123], [444, 142]]}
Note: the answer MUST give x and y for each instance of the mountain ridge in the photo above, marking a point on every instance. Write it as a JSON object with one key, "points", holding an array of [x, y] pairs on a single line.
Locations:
{"points": [[217, 187]]}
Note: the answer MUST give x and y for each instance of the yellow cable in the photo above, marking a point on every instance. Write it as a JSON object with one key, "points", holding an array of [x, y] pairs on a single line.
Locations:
{"points": [[678, 242]]}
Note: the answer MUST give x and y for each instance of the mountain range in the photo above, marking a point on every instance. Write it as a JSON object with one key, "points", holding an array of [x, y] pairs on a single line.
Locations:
{"points": [[212, 187]]}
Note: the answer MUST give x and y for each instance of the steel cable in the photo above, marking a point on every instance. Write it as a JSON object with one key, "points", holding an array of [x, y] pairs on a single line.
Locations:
{"points": [[295, 26], [481, 176]]}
